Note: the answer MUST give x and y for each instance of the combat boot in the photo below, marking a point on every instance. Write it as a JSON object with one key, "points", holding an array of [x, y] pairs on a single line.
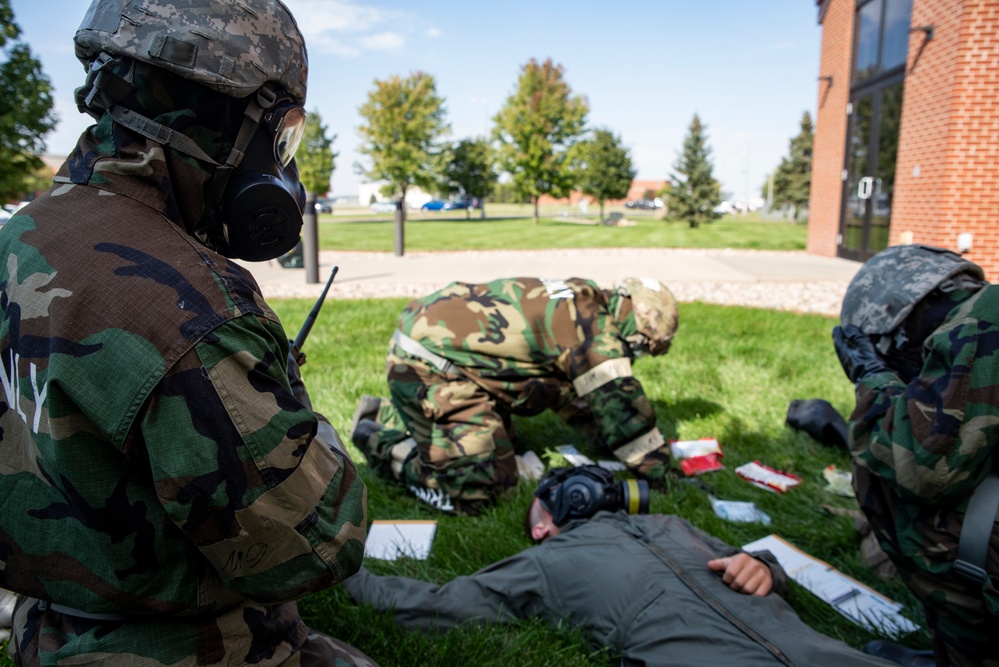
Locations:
{"points": [[367, 409]]}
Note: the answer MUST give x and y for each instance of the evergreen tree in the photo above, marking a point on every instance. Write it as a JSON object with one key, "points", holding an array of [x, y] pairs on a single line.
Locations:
{"points": [[315, 156], [25, 108], [470, 171], [694, 192], [793, 178], [535, 129], [603, 167]]}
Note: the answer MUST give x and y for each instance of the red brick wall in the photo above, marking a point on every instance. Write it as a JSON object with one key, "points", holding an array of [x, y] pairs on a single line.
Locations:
{"points": [[636, 191], [828, 157], [924, 175], [947, 177]]}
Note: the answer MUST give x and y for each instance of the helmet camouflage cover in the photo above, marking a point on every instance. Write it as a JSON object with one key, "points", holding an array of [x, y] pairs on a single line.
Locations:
{"points": [[229, 46], [655, 310], [886, 289]]}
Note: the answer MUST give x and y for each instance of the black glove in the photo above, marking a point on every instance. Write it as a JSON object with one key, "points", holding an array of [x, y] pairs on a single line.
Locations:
{"points": [[820, 420], [857, 353]]}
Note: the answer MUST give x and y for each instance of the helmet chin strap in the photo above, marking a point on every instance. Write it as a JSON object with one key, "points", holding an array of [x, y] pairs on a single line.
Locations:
{"points": [[104, 91]]}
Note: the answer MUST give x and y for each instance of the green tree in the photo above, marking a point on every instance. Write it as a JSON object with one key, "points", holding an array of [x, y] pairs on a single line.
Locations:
{"points": [[315, 156], [405, 120], [535, 128], [470, 171], [694, 192], [793, 177], [25, 108], [603, 167]]}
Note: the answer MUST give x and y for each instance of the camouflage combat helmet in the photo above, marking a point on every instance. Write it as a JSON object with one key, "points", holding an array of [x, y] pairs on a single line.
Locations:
{"points": [[654, 309], [229, 46], [886, 289]]}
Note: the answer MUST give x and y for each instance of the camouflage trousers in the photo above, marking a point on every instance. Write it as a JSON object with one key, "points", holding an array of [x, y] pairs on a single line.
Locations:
{"points": [[273, 636], [443, 437], [961, 615]]}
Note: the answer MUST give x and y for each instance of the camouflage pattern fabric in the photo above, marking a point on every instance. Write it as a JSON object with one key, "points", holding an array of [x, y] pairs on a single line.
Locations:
{"points": [[156, 466], [516, 345], [231, 47], [919, 450], [890, 284]]}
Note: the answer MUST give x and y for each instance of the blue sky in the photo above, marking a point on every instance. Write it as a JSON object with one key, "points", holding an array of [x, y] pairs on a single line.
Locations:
{"points": [[749, 69]]}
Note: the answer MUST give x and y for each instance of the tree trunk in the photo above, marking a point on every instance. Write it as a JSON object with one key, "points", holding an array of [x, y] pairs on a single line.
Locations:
{"points": [[536, 199], [601, 210], [482, 210]]}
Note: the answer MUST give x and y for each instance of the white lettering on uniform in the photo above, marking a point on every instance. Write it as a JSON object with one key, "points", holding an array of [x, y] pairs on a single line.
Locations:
{"points": [[12, 390], [433, 497], [40, 394]]}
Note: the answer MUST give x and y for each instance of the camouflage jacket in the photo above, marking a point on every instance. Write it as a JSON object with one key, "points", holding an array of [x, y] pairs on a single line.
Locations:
{"points": [[922, 449], [526, 340], [155, 463]]}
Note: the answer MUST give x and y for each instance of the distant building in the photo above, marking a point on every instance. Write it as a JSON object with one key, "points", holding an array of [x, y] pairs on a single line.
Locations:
{"points": [[907, 131], [369, 193], [635, 192]]}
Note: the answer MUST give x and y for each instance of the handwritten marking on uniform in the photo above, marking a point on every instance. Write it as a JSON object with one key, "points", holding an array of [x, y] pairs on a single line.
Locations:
{"points": [[240, 560], [12, 389]]}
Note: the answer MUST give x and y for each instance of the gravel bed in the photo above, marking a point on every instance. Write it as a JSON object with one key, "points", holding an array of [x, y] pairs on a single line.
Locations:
{"points": [[819, 297]]}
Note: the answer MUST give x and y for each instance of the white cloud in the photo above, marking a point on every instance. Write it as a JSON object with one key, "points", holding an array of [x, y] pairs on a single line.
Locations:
{"points": [[434, 32], [385, 41], [347, 29]]}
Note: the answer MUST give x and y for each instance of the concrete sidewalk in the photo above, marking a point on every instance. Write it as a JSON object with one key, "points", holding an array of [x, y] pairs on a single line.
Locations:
{"points": [[771, 279]]}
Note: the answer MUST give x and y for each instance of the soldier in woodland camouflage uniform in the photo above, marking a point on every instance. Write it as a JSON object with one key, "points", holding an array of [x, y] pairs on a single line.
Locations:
{"points": [[920, 338], [467, 357], [166, 491]]}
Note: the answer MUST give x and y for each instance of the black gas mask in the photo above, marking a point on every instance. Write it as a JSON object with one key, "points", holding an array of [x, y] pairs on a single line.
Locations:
{"points": [[260, 216], [254, 201], [581, 492]]}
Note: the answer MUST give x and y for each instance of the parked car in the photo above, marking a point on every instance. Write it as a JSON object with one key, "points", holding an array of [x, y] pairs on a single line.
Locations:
{"points": [[644, 204], [461, 204], [434, 205], [383, 207], [4, 217], [324, 206]]}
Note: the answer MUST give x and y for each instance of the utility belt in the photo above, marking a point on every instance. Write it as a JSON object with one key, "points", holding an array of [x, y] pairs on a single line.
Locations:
{"points": [[976, 531], [414, 348]]}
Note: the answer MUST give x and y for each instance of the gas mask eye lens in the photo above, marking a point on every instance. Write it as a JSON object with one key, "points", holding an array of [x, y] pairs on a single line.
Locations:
{"points": [[288, 131]]}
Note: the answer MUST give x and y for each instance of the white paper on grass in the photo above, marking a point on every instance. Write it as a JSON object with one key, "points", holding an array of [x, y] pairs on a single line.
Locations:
{"points": [[574, 456], [391, 540], [862, 605], [577, 458]]}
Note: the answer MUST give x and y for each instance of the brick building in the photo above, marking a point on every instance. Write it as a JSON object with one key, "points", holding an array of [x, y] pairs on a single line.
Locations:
{"points": [[907, 131], [638, 190]]}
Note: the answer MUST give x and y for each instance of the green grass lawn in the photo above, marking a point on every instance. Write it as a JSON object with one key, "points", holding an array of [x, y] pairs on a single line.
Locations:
{"points": [[513, 229], [730, 375]]}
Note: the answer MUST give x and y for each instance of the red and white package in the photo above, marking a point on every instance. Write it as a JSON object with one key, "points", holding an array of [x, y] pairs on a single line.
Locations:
{"points": [[698, 465], [685, 449], [766, 477]]}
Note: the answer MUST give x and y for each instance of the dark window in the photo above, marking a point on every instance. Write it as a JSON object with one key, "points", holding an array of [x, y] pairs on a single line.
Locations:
{"points": [[896, 34], [882, 37], [868, 41]]}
